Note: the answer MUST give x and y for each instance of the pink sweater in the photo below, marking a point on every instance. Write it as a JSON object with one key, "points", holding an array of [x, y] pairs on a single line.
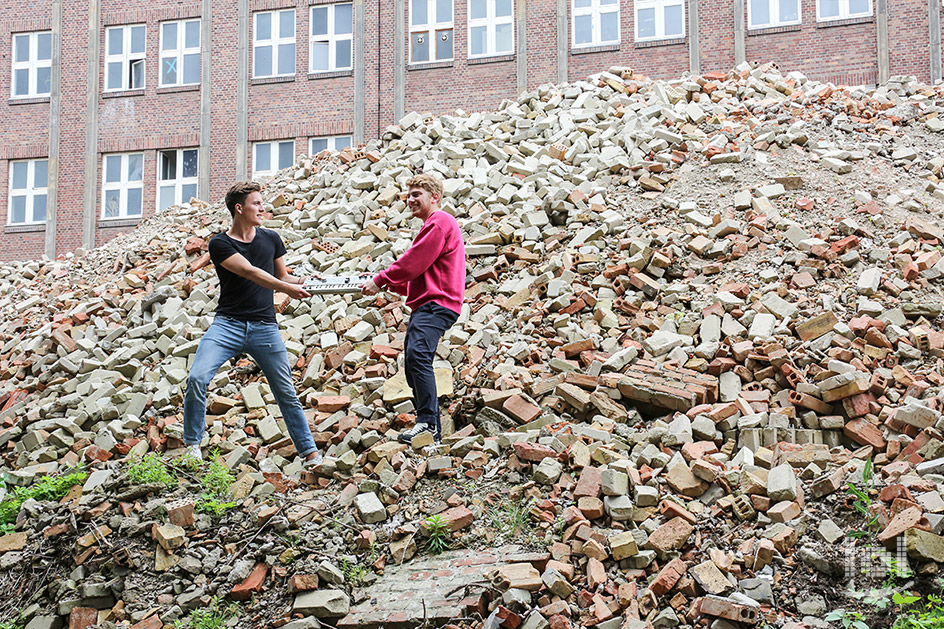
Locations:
{"points": [[433, 268]]}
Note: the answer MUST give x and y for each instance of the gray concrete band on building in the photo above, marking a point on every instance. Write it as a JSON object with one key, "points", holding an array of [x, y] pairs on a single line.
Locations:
{"points": [[91, 126], [203, 168], [934, 26], [359, 58], [55, 100], [694, 51], [562, 41], [399, 61], [881, 39], [521, 58], [242, 90]]}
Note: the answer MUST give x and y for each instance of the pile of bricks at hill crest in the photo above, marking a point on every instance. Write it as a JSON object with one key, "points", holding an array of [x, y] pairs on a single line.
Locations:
{"points": [[681, 385]]}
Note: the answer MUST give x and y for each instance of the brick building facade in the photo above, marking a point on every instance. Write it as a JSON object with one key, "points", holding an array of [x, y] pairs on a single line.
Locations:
{"points": [[115, 112]]}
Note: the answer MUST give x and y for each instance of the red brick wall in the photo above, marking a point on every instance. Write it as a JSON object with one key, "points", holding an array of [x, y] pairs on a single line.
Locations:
{"points": [[826, 51], [440, 90], [305, 107], [908, 44], [716, 34]]}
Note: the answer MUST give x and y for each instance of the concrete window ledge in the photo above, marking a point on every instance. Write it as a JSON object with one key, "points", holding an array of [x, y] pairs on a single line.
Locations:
{"points": [[774, 29], [432, 65], [661, 42], [495, 59], [272, 79], [868, 19], [28, 101], [106, 223], [122, 93], [22, 229], [592, 49], [314, 76], [174, 89]]}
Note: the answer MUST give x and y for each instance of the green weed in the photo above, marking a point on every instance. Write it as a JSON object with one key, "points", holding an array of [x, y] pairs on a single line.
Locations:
{"points": [[863, 503], [437, 531], [928, 615], [212, 617], [511, 518], [847, 619], [216, 483], [353, 572], [47, 488], [150, 469]]}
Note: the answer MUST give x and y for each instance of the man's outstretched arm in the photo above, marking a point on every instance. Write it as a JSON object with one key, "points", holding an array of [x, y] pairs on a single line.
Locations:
{"points": [[239, 265]]}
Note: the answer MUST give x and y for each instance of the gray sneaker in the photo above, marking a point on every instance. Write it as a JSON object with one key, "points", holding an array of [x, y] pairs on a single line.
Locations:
{"points": [[407, 435]]}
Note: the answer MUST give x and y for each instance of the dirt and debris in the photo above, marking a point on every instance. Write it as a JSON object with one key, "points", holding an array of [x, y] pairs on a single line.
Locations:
{"points": [[697, 380]]}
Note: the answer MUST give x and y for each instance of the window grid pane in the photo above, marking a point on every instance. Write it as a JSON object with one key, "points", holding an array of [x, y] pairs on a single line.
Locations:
{"points": [[274, 44], [660, 19], [330, 37], [31, 64], [124, 63], [491, 27], [122, 189]]}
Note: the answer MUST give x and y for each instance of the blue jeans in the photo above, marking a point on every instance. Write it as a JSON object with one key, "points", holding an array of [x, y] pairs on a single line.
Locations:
{"points": [[426, 327], [260, 339]]}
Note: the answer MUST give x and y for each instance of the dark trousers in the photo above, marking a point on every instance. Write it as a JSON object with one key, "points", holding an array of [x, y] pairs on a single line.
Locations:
{"points": [[427, 325]]}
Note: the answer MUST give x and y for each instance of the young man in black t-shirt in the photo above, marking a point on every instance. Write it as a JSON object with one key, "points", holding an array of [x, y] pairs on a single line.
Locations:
{"points": [[249, 263]]}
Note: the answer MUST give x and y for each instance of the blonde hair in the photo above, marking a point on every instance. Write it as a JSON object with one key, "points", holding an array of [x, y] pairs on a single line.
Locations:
{"points": [[427, 181]]}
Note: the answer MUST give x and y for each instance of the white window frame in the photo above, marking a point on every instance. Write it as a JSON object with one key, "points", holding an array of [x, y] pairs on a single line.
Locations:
{"points": [[491, 22], [331, 38], [179, 181], [179, 51], [596, 10], [432, 28], [32, 64], [273, 42], [774, 8], [273, 157], [660, 6], [31, 191], [332, 141], [124, 185], [126, 58], [843, 12]]}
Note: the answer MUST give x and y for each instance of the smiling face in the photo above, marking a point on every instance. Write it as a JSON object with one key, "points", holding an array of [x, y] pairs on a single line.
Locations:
{"points": [[421, 202], [251, 209]]}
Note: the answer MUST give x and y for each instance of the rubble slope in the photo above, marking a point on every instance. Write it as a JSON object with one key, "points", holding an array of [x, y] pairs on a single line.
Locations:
{"points": [[696, 311]]}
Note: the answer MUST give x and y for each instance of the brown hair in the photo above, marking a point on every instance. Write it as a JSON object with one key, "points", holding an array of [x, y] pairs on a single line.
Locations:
{"points": [[237, 193], [427, 181]]}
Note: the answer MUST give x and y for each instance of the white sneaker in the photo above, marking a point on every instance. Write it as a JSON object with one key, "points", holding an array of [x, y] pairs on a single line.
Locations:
{"points": [[194, 452], [314, 461]]}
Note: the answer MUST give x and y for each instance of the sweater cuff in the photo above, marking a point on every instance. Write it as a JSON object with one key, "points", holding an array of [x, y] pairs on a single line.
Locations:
{"points": [[380, 280]]}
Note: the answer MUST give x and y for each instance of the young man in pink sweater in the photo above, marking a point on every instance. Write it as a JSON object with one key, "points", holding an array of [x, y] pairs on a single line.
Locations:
{"points": [[431, 273]]}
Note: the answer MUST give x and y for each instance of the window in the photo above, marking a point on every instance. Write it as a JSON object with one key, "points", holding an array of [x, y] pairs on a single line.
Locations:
{"points": [[176, 177], [335, 143], [274, 44], [595, 22], [180, 53], [430, 30], [124, 57], [770, 13], [331, 29], [28, 188], [842, 9], [659, 19], [122, 185], [491, 28], [270, 157], [32, 62]]}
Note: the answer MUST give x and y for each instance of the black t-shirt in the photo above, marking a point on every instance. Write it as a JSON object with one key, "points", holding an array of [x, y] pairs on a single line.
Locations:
{"points": [[240, 298]]}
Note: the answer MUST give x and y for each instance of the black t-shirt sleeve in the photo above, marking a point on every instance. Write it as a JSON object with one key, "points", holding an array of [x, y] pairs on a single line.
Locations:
{"points": [[221, 249], [280, 249]]}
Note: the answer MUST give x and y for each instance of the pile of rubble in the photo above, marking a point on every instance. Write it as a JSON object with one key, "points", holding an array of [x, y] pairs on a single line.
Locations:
{"points": [[697, 312]]}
